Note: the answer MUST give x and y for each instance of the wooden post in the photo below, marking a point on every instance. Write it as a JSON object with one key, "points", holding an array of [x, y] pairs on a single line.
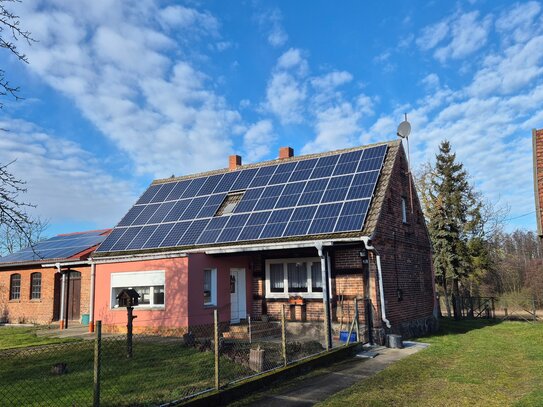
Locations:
{"points": [[250, 329], [283, 335], [216, 339], [129, 328], [534, 317], [97, 363], [493, 307]]}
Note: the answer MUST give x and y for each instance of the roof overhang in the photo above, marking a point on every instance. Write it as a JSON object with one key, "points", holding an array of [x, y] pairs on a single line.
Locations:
{"points": [[137, 257]]}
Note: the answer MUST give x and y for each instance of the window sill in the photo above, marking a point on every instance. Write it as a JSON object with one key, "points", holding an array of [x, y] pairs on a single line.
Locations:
{"points": [[286, 296], [14, 301], [141, 308], [35, 300], [210, 306]]}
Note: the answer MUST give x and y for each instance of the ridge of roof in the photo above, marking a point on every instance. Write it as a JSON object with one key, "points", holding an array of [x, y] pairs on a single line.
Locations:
{"points": [[102, 232], [272, 162]]}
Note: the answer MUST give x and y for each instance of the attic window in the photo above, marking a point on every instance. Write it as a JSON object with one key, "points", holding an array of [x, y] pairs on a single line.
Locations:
{"points": [[229, 203]]}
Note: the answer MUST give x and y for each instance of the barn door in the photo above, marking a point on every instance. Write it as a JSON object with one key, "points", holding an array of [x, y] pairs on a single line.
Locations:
{"points": [[74, 295]]}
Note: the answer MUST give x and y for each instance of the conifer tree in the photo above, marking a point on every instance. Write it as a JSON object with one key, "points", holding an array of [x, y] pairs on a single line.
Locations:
{"points": [[453, 212]]}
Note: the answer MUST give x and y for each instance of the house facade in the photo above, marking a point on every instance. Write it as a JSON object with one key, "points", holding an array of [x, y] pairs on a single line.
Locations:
{"points": [[311, 233], [49, 282]]}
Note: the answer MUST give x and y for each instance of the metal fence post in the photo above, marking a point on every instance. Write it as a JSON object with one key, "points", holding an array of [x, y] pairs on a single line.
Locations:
{"points": [[216, 340], [283, 335], [356, 322], [97, 364]]}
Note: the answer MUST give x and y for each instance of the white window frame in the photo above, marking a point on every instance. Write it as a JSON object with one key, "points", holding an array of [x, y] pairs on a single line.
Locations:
{"points": [[213, 302], [148, 278], [404, 209], [286, 293]]}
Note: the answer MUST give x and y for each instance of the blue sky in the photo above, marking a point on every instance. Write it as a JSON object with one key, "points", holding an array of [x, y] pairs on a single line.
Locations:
{"points": [[119, 93]]}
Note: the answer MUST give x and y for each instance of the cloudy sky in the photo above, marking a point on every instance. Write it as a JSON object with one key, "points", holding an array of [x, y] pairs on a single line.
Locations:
{"points": [[118, 93]]}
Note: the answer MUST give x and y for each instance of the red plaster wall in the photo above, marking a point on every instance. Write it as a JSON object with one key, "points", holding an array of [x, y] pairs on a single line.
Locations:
{"points": [[200, 315], [175, 313]]}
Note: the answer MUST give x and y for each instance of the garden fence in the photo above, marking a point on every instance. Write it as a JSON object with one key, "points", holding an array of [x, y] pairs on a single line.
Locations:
{"points": [[162, 368]]}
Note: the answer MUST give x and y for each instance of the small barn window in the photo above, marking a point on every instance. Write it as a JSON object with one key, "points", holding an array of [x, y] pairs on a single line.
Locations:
{"points": [[229, 203], [404, 210], [35, 286], [15, 287]]}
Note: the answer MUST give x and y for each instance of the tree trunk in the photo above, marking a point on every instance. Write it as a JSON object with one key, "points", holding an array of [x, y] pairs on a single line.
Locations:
{"points": [[456, 300], [446, 292]]}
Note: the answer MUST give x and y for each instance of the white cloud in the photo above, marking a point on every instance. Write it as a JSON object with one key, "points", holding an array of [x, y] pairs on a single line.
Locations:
{"points": [[469, 33], [431, 81], [258, 140], [66, 182], [118, 69], [286, 90], [271, 22], [519, 23], [433, 35]]}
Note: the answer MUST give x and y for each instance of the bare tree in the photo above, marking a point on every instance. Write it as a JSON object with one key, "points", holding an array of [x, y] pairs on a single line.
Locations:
{"points": [[13, 240], [11, 32]]}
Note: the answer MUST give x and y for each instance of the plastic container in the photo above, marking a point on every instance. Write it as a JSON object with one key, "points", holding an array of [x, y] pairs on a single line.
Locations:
{"points": [[343, 335], [85, 319]]}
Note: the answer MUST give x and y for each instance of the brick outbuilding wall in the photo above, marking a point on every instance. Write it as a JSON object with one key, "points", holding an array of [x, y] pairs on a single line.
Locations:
{"points": [[537, 136], [39, 311]]}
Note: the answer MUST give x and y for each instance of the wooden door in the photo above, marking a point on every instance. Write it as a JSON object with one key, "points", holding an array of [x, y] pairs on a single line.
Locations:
{"points": [[74, 295]]}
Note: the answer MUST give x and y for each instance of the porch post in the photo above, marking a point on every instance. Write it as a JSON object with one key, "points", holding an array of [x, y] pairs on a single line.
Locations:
{"points": [[325, 297], [62, 295]]}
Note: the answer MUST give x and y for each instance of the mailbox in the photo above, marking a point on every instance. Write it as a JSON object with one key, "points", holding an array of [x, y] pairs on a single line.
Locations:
{"points": [[128, 298]]}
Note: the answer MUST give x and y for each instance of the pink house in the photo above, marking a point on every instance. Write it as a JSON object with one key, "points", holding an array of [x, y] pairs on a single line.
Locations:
{"points": [[309, 232]]}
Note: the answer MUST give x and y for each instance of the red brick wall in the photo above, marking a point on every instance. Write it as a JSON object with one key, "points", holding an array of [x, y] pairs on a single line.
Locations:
{"points": [[39, 311], [405, 252], [538, 174]]}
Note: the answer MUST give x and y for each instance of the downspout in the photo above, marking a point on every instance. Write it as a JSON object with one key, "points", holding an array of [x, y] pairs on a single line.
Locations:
{"points": [[91, 301], [325, 297], [62, 295], [367, 243]]}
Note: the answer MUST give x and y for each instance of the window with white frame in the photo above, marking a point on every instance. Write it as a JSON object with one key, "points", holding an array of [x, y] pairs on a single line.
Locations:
{"points": [[148, 284], [287, 277], [210, 287], [404, 210]]}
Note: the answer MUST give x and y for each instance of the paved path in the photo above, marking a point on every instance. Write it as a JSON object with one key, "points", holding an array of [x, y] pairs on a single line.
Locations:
{"points": [[339, 376]]}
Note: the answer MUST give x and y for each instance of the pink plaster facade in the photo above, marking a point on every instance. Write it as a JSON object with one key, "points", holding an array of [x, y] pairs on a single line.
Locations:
{"points": [[184, 296]]}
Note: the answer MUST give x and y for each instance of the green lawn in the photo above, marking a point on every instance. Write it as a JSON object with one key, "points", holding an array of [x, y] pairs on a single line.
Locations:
{"points": [[16, 337], [469, 363], [161, 370]]}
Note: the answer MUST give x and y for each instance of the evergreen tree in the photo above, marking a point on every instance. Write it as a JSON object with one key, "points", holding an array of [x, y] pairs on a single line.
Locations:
{"points": [[454, 220]]}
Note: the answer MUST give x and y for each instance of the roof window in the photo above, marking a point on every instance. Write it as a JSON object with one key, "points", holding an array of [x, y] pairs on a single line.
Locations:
{"points": [[229, 203]]}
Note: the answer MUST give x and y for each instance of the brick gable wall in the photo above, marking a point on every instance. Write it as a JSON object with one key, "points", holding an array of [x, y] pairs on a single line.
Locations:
{"points": [[537, 136], [406, 258]]}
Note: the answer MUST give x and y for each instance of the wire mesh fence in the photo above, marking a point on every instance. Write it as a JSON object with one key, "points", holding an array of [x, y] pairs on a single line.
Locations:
{"points": [[159, 368]]}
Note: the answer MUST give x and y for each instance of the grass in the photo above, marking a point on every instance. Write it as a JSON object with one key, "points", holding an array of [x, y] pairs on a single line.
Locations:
{"points": [[161, 370], [16, 337], [469, 363]]}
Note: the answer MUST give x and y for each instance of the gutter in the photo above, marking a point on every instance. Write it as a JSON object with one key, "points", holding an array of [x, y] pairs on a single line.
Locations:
{"points": [[367, 243], [137, 257]]}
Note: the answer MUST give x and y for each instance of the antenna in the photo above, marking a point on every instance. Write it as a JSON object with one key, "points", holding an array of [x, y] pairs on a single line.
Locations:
{"points": [[404, 130]]}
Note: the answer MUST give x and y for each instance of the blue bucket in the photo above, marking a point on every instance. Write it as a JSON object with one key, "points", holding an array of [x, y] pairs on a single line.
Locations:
{"points": [[343, 335], [85, 319]]}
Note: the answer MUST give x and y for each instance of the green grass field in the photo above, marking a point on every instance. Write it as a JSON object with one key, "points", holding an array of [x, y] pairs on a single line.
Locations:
{"points": [[16, 337], [469, 363], [161, 370]]}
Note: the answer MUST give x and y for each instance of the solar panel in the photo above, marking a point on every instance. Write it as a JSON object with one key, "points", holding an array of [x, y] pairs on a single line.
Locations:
{"points": [[310, 196], [59, 247]]}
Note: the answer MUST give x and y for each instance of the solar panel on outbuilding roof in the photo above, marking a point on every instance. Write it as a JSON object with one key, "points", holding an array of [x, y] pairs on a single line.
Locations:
{"points": [[58, 247], [328, 194]]}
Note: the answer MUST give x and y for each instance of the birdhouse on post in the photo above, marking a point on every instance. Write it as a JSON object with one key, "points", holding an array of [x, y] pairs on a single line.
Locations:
{"points": [[128, 298]]}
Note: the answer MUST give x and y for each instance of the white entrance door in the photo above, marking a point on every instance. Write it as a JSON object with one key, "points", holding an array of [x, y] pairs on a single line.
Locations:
{"points": [[238, 297]]}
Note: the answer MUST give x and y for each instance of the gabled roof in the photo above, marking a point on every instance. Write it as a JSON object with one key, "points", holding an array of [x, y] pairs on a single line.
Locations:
{"points": [[69, 246], [329, 195]]}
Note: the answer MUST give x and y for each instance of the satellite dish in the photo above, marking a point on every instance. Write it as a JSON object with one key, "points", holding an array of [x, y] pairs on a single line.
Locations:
{"points": [[404, 129]]}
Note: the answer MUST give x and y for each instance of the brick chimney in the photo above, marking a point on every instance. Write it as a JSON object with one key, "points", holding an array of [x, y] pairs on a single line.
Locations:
{"points": [[234, 161], [285, 152], [537, 139]]}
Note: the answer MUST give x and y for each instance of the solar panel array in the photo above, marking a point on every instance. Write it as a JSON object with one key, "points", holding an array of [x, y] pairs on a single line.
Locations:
{"points": [[314, 196], [58, 247]]}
